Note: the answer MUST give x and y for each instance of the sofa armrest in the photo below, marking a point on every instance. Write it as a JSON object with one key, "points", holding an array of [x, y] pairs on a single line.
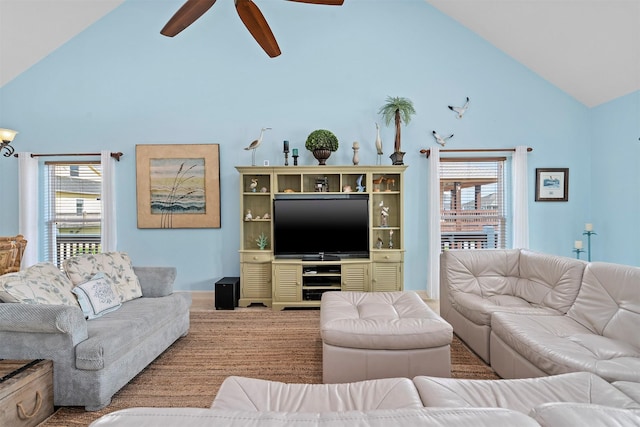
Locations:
{"points": [[42, 318], [156, 281]]}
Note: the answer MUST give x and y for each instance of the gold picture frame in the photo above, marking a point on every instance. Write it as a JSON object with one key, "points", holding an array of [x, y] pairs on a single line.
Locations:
{"points": [[178, 185]]}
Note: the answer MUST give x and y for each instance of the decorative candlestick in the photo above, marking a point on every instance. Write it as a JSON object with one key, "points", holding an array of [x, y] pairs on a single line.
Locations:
{"points": [[295, 157], [356, 147], [286, 153], [588, 231], [577, 248]]}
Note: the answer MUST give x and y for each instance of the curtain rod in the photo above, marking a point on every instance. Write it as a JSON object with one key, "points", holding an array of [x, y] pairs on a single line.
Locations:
{"points": [[114, 155], [470, 150]]}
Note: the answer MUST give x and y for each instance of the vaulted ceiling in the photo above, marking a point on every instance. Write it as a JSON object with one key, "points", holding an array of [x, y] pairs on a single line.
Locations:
{"points": [[588, 48]]}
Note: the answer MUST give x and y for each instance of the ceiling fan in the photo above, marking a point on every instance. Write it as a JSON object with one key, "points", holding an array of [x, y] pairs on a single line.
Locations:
{"points": [[248, 12]]}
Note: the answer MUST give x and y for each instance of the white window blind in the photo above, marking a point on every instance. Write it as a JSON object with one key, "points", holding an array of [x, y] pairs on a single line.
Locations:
{"points": [[73, 211], [472, 203]]}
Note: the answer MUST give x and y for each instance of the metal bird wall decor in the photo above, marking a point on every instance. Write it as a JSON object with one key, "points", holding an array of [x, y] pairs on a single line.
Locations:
{"points": [[442, 140], [248, 12], [460, 110]]}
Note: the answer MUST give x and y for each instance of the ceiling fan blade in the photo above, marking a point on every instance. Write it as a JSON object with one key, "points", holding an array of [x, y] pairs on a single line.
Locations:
{"points": [[257, 26], [185, 16], [327, 2]]}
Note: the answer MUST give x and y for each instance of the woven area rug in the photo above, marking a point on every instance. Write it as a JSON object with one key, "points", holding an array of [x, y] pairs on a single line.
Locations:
{"points": [[252, 342]]}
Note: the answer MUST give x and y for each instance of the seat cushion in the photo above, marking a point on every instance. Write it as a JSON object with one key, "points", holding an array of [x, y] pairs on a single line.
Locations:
{"points": [[251, 394], [381, 320], [111, 336], [479, 309], [559, 344], [433, 417], [582, 414], [630, 388], [521, 394]]}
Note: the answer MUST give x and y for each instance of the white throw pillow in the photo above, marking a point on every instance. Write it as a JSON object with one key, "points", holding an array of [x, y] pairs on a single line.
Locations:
{"points": [[97, 296], [41, 283], [115, 265]]}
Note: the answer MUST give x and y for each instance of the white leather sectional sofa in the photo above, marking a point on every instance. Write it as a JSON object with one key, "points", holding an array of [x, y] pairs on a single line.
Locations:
{"points": [[423, 401], [531, 314]]}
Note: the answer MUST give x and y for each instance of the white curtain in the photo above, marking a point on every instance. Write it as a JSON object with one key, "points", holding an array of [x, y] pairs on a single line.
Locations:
{"points": [[28, 205], [108, 237], [433, 225], [520, 199]]}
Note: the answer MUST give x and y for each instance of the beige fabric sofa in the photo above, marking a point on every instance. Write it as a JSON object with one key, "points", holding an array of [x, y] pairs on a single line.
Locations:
{"points": [[544, 314], [423, 401]]}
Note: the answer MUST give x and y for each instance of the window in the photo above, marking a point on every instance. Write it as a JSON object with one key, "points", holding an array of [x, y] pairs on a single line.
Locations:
{"points": [[79, 206], [73, 211], [472, 203]]}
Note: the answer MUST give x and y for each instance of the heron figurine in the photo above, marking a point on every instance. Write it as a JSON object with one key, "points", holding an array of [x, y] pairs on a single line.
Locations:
{"points": [[378, 144], [255, 144]]}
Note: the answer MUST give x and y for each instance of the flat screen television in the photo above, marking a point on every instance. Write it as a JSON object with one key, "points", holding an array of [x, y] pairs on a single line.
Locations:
{"points": [[321, 227]]}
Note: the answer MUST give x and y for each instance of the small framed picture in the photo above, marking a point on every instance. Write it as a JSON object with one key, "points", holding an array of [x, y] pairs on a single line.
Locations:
{"points": [[552, 184]]}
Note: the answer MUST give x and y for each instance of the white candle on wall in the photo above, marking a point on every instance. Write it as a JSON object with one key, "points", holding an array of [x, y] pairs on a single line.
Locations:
{"points": [[578, 244], [588, 227]]}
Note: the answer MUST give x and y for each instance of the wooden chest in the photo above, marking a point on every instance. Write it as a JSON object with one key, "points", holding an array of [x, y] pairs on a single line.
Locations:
{"points": [[26, 392]]}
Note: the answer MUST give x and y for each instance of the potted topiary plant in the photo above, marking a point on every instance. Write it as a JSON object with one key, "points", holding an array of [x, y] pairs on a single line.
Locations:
{"points": [[321, 143], [400, 111]]}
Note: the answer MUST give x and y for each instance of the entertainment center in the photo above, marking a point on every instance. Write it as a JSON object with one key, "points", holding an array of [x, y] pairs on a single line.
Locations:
{"points": [[306, 230]]}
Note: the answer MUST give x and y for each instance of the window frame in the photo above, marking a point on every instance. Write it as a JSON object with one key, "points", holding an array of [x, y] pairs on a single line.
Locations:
{"points": [[60, 246], [464, 232]]}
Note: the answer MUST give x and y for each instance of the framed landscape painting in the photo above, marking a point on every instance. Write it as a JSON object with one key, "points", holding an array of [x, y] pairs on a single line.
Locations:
{"points": [[552, 184], [178, 185]]}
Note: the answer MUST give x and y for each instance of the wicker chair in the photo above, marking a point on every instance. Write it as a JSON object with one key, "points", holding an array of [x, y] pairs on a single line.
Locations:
{"points": [[11, 251]]}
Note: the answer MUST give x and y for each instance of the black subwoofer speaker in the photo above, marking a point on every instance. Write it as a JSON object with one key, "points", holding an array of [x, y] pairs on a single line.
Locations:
{"points": [[227, 293]]}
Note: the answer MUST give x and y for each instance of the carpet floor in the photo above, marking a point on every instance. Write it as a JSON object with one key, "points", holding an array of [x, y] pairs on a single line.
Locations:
{"points": [[253, 342]]}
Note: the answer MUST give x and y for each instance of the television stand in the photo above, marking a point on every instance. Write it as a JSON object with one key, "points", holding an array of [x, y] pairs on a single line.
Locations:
{"points": [[299, 281]]}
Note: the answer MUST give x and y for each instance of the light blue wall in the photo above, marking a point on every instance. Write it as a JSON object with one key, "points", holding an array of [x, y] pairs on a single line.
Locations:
{"points": [[615, 184], [120, 83]]}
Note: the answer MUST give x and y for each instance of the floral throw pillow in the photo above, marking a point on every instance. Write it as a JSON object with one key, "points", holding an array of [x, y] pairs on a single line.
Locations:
{"points": [[41, 283], [97, 296], [115, 265]]}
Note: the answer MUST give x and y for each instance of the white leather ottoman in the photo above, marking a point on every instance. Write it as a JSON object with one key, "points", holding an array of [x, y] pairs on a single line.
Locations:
{"points": [[369, 335]]}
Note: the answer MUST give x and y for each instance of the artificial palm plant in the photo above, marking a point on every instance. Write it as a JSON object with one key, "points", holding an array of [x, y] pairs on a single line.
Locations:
{"points": [[399, 110]]}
